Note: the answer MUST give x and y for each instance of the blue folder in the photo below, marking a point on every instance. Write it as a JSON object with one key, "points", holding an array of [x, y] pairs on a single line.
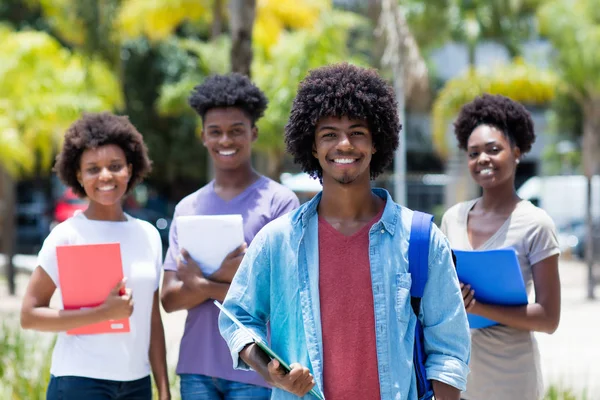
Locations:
{"points": [[495, 276]]}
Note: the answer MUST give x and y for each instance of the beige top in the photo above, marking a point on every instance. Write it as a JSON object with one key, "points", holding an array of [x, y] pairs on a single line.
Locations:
{"points": [[505, 362]]}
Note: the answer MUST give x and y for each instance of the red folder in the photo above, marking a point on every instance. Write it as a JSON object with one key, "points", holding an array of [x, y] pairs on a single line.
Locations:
{"points": [[87, 273]]}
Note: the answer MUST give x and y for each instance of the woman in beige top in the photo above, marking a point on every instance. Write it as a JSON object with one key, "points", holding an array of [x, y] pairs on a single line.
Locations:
{"points": [[496, 131]]}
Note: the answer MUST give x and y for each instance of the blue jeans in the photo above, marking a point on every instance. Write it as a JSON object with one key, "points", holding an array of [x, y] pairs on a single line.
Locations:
{"points": [[77, 388], [201, 387]]}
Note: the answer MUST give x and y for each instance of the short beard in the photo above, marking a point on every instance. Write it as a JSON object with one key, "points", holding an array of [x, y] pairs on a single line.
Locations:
{"points": [[345, 180]]}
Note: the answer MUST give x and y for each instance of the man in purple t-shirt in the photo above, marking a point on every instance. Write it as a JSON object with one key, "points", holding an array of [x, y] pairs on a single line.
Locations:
{"points": [[229, 107]]}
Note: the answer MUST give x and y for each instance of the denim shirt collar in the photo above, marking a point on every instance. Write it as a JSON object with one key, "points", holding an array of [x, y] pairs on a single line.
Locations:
{"points": [[389, 218]]}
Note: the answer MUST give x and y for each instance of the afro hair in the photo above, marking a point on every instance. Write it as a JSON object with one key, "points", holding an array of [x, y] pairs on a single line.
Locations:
{"points": [[505, 114], [232, 90], [343, 90], [93, 130]]}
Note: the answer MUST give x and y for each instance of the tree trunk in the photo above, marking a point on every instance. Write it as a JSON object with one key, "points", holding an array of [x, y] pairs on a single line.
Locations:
{"points": [[589, 242], [275, 165], [472, 54], [591, 153], [215, 31], [217, 23], [241, 17], [378, 48], [8, 232]]}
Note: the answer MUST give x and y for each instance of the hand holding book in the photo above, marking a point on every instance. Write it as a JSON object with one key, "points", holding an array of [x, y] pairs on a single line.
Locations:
{"points": [[119, 303]]}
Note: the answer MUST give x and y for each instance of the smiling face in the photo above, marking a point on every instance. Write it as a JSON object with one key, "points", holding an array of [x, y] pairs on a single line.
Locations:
{"points": [[104, 174], [344, 148], [228, 134], [492, 157]]}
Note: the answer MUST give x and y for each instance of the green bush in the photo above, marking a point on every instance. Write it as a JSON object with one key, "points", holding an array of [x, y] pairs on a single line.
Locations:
{"points": [[559, 393], [25, 366]]}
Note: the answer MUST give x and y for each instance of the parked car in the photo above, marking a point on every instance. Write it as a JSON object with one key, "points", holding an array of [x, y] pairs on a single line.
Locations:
{"points": [[563, 197], [33, 220], [573, 238], [67, 205]]}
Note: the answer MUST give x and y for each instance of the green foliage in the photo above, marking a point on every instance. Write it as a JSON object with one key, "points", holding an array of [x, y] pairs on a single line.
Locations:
{"points": [[558, 393], [158, 52], [210, 58], [507, 22], [25, 367], [158, 19], [573, 28], [279, 72], [519, 81], [45, 87], [179, 159]]}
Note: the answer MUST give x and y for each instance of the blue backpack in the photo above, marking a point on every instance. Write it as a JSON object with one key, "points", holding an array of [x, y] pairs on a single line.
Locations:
{"points": [[418, 266]]}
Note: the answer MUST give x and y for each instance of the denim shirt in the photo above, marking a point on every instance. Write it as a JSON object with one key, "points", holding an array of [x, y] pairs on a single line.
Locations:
{"points": [[277, 284]]}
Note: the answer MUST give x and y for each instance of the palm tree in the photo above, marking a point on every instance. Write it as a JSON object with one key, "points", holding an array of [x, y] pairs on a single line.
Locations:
{"points": [[410, 75], [241, 21], [573, 28]]}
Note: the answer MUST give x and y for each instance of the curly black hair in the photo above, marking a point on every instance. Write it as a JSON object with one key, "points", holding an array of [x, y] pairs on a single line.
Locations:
{"points": [[98, 129], [343, 90], [232, 90], [505, 114]]}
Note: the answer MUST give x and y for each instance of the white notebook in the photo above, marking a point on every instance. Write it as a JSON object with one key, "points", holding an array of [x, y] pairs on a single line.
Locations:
{"points": [[209, 238]]}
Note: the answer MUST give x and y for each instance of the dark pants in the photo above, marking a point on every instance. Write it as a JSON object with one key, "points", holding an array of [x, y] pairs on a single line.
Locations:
{"points": [[80, 388]]}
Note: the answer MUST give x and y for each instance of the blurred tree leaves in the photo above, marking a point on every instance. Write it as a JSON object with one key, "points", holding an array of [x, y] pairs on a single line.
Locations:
{"points": [[279, 71], [573, 28], [45, 87], [156, 51], [521, 82], [508, 22], [158, 19], [273, 17], [276, 70]]}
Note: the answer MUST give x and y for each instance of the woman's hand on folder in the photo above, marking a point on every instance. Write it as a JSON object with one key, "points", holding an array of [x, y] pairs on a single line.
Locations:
{"points": [[468, 295], [119, 303], [298, 381]]}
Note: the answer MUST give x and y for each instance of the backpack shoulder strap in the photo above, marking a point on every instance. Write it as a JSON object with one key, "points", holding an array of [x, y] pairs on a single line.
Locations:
{"points": [[418, 256]]}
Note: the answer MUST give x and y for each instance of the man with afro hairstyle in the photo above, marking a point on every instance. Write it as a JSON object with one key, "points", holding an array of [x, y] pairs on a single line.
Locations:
{"points": [[229, 106], [331, 278]]}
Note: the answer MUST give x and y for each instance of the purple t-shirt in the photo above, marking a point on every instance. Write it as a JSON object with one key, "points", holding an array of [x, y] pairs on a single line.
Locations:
{"points": [[203, 351]]}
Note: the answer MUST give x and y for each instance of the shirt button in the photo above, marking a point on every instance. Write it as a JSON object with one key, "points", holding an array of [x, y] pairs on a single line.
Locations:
{"points": [[382, 231]]}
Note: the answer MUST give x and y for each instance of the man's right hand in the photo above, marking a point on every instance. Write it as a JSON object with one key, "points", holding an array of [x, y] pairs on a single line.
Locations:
{"points": [[119, 303], [230, 265], [298, 381]]}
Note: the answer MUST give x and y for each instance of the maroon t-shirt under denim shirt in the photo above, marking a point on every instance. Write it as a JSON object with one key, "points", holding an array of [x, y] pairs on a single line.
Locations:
{"points": [[347, 314]]}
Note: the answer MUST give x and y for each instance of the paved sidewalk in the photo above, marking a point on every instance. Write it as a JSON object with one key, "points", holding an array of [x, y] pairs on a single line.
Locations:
{"points": [[570, 357]]}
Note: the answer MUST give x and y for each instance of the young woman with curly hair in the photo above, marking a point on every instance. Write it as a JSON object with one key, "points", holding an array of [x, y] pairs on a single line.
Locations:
{"points": [[229, 107], [496, 132], [331, 278], [103, 157]]}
